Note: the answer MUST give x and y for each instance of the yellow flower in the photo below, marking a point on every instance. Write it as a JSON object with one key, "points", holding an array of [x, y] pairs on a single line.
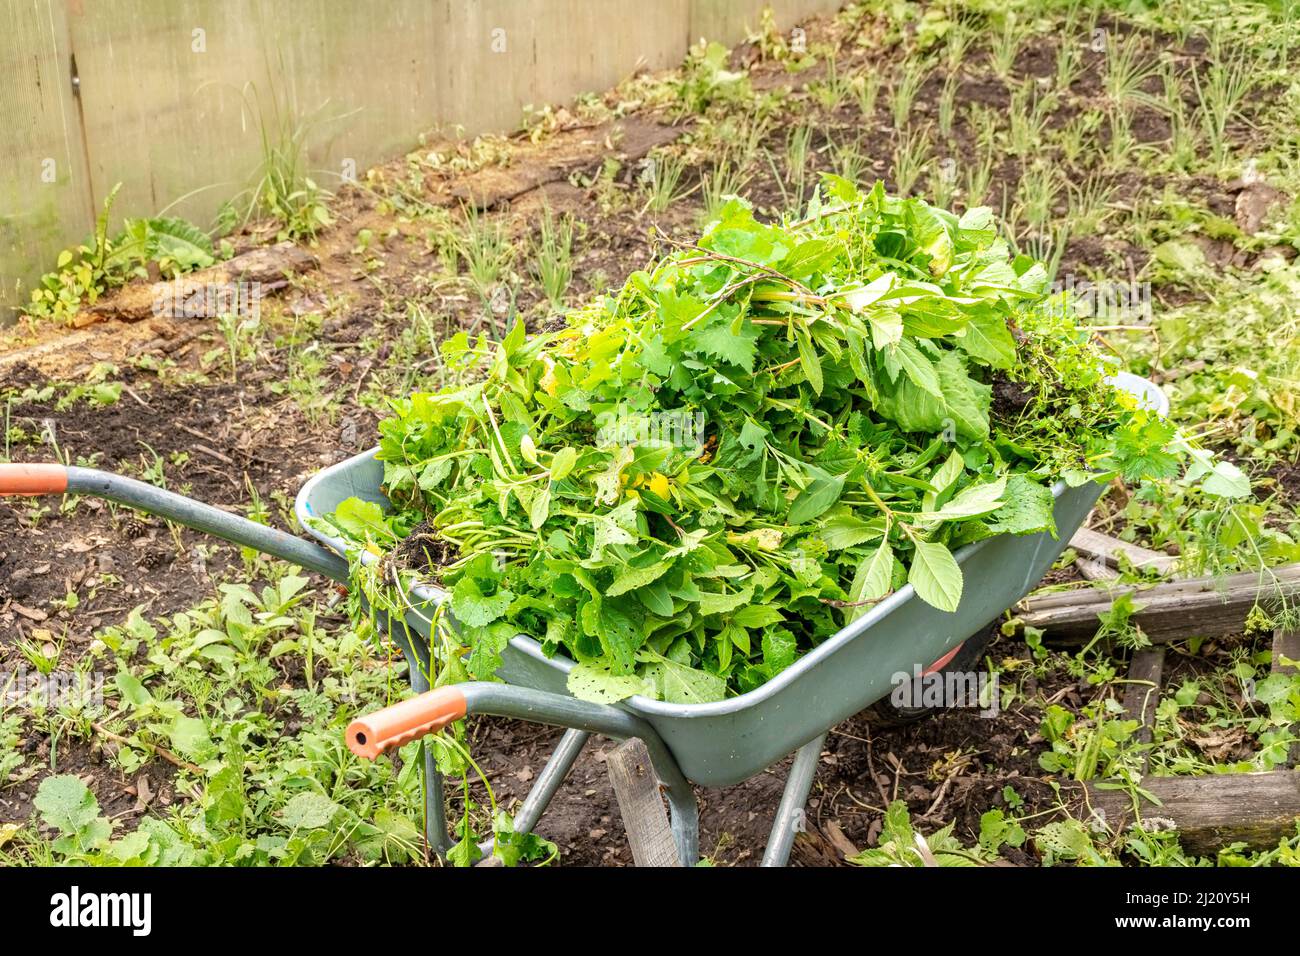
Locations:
{"points": [[548, 382], [658, 484]]}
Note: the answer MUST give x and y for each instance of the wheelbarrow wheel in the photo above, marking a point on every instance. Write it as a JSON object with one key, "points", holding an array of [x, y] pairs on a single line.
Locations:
{"points": [[885, 714]]}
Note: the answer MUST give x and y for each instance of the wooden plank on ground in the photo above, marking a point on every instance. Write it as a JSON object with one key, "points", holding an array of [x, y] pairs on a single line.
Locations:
{"points": [[1287, 644], [1104, 548], [1205, 607], [1210, 812], [1143, 693], [644, 817]]}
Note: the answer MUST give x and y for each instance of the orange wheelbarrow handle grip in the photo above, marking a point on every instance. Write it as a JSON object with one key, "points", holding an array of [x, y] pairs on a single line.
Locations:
{"points": [[33, 479], [427, 713]]}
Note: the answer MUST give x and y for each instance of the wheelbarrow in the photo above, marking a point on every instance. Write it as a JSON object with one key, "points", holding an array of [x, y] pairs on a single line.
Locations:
{"points": [[706, 745]]}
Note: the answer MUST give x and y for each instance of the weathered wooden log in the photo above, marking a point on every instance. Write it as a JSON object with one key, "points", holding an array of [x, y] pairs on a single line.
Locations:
{"points": [[187, 296], [1193, 607], [1210, 812]]}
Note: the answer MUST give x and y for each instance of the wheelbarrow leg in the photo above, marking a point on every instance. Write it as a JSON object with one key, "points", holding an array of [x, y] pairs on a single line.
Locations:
{"points": [[789, 815], [435, 803], [684, 815], [417, 668], [547, 784]]}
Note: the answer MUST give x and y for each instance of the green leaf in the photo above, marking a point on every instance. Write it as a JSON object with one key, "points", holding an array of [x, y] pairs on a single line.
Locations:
{"points": [[133, 692], [189, 736], [846, 530], [718, 341], [872, 580], [362, 519], [757, 615], [678, 684], [563, 462], [886, 328], [935, 575], [988, 338], [918, 368], [822, 492], [66, 804], [629, 579], [966, 400], [1226, 480], [1028, 507], [540, 509], [714, 603], [474, 609], [808, 361], [602, 686], [309, 811], [944, 477], [971, 501]]}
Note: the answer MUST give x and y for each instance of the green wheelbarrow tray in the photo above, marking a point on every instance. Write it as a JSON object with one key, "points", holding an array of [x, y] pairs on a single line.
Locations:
{"points": [[722, 743], [715, 744]]}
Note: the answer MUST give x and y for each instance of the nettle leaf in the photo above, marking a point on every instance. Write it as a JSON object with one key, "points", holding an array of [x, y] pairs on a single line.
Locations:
{"points": [[629, 579], [935, 575], [846, 530], [808, 361], [886, 328], [716, 603], [678, 684], [718, 340], [1027, 507], [600, 685], [756, 616], [970, 502], [873, 578], [987, 338], [944, 477], [822, 492], [917, 367]]}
